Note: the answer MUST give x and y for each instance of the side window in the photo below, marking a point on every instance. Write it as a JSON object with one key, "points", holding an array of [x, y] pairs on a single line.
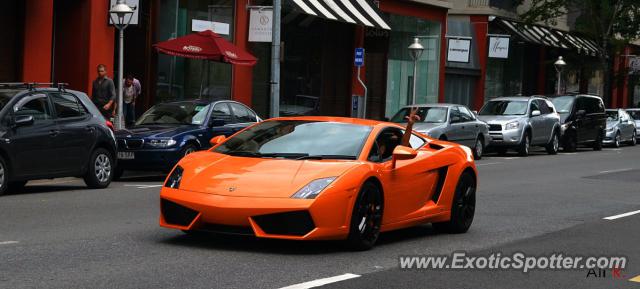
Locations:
{"points": [[550, 106], [416, 142], [594, 105], [534, 106], [67, 105], [466, 114], [581, 104], [221, 111], [454, 115], [544, 108], [385, 143], [37, 107], [242, 114]]}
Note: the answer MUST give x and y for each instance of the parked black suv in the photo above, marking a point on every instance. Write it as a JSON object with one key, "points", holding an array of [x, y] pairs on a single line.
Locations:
{"points": [[583, 120], [51, 132]]}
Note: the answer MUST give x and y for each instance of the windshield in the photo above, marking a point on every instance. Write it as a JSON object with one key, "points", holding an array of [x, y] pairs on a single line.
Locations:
{"points": [[635, 114], [298, 139], [612, 116], [175, 113], [427, 114], [504, 107], [6, 95], [563, 104]]}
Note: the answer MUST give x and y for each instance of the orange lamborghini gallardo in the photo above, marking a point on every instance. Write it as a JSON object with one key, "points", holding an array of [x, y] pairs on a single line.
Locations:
{"points": [[320, 178]]}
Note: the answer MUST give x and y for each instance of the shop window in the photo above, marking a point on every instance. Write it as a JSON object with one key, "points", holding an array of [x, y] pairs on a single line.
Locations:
{"points": [[183, 78]]}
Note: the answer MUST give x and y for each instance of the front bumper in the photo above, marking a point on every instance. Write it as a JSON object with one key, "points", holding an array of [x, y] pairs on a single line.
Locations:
{"points": [[609, 137], [505, 137], [279, 218]]}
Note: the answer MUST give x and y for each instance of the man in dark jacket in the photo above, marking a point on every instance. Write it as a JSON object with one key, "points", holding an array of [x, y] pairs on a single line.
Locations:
{"points": [[103, 92]]}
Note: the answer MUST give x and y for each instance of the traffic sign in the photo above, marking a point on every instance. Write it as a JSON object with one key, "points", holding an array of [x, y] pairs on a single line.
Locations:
{"points": [[359, 59]]}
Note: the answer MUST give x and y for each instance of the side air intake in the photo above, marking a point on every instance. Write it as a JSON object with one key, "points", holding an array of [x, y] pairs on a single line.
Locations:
{"points": [[442, 176]]}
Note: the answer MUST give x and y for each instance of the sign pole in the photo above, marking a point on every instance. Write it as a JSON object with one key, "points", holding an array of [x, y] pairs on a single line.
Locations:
{"points": [[359, 62], [275, 59]]}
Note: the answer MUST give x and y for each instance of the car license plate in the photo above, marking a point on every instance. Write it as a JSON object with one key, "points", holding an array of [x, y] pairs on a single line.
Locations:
{"points": [[126, 155]]}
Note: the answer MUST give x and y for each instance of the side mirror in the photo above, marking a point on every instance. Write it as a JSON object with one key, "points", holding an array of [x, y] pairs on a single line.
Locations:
{"points": [[217, 140], [23, 120], [403, 153], [217, 122], [535, 113]]}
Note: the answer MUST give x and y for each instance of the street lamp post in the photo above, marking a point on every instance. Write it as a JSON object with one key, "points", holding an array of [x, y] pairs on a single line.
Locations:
{"points": [[559, 65], [416, 50], [119, 14]]}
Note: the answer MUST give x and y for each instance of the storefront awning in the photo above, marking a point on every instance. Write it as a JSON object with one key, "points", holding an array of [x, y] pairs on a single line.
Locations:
{"points": [[360, 12], [546, 36]]}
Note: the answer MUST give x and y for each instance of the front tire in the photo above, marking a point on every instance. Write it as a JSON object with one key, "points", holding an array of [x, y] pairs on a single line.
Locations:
{"points": [[4, 176], [478, 150], [616, 142], [463, 207], [366, 218], [633, 140], [525, 145], [554, 144], [570, 145], [100, 172]]}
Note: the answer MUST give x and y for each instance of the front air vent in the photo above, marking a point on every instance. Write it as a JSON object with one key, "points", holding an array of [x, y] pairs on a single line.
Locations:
{"points": [[176, 214], [296, 223], [442, 176]]}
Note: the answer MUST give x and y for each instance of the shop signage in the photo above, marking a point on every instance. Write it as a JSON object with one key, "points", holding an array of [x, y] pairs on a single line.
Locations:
{"points": [[498, 47], [458, 50], [634, 65], [131, 3], [359, 59], [217, 27], [260, 25]]}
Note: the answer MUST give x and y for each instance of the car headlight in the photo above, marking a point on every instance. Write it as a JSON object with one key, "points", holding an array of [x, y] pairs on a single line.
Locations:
{"points": [[173, 181], [609, 129], [512, 125], [162, 143], [311, 190]]}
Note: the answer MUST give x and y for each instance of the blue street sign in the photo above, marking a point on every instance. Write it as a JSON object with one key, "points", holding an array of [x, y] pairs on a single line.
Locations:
{"points": [[359, 60]]}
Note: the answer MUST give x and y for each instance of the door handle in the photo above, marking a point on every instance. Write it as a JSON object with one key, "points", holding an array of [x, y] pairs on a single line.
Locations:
{"points": [[54, 132]]}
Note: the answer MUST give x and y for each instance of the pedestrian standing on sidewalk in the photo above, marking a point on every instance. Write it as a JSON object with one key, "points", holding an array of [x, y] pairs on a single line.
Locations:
{"points": [[103, 92], [131, 90]]}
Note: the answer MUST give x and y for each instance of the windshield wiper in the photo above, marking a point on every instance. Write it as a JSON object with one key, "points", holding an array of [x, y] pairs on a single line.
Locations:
{"points": [[323, 157]]}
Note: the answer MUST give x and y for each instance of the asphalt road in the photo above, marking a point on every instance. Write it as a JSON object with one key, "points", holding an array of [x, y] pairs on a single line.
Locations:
{"points": [[57, 234]]}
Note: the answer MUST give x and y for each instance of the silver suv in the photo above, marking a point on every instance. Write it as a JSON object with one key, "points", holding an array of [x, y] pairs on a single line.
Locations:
{"points": [[521, 122]]}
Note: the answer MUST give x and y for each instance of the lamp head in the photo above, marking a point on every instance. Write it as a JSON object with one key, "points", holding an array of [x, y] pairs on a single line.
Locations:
{"points": [[120, 10], [416, 49], [560, 64]]}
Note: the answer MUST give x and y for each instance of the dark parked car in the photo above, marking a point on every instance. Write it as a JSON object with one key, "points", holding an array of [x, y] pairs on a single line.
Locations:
{"points": [[168, 131], [51, 133], [582, 119]]}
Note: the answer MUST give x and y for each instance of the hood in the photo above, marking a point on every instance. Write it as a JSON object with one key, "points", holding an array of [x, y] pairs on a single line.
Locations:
{"points": [[220, 174], [499, 119], [426, 127], [612, 123], [563, 117], [154, 131]]}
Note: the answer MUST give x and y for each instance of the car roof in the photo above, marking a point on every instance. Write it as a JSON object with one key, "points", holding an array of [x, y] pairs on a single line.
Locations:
{"points": [[575, 95], [348, 120], [433, 105], [520, 98]]}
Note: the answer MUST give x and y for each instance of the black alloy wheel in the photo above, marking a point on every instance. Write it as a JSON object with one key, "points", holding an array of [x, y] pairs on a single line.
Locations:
{"points": [[463, 207], [366, 218]]}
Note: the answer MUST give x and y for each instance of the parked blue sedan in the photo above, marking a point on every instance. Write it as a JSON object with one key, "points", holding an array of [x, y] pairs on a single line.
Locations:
{"points": [[168, 131]]}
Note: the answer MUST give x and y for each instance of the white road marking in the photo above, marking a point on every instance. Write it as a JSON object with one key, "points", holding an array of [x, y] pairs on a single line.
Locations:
{"points": [[614, 171], [622, 215], [569, 154], [512, 158], [322, 282], [143, 186], [486, 164], [9, 242]]}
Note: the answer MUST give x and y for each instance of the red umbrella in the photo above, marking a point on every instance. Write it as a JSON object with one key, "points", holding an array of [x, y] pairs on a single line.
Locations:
{"points": [[206, 45]]}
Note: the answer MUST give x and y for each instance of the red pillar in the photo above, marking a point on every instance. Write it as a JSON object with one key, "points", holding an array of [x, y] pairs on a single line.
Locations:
{"points": [[38, 28], [242, 80], [614, 82], [625, 79], [542, 72], [481, 25], [101, 43]]}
